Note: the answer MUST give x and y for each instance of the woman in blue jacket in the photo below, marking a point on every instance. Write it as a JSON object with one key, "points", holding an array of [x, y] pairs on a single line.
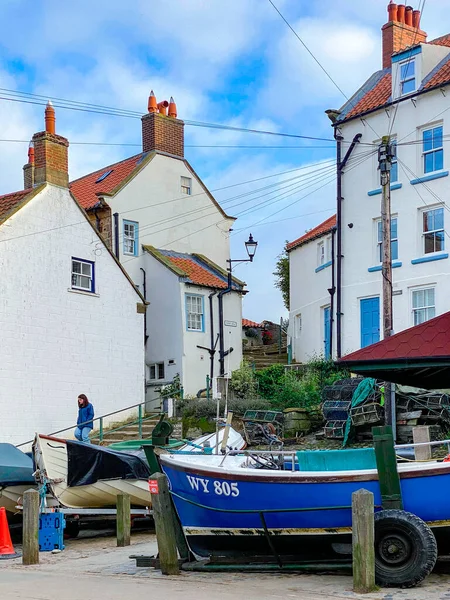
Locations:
{"points": [[84, 421]]}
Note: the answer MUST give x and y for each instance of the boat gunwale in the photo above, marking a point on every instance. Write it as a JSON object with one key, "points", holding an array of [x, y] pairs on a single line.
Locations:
{"points": [[272, 476]]}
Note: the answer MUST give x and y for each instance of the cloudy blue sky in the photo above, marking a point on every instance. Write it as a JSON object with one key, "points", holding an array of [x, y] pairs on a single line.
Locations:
{"points": [[231, 62]]}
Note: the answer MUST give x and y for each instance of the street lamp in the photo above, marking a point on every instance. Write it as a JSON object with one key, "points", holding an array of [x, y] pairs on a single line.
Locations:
{"points": [[250, 246]]}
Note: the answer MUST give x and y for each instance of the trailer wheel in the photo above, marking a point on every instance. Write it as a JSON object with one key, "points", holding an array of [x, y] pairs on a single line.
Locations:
{"points": [[405, 549], [72, 528]]}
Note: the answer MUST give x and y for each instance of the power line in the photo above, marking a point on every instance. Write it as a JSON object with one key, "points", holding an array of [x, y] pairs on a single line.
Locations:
{"points": [[403, 167], [36, 99], [407, 66], [245, 147], [316, 60], [322, 186]]}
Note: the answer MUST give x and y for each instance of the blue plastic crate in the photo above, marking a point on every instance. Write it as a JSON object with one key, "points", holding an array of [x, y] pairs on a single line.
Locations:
{"points": [[51, 532]]}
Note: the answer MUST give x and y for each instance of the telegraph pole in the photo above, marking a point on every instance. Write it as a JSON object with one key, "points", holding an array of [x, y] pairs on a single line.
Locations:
{"points": [[385, 155]]}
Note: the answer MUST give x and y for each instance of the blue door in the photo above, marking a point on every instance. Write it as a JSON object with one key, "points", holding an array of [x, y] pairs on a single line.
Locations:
{"points": [[370, 321], [327, 332]]}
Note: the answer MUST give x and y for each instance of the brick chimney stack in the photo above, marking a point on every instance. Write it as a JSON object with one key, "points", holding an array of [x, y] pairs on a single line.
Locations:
{"points": [[50, 153], [161, 131], [28, 169], [401, 31]]}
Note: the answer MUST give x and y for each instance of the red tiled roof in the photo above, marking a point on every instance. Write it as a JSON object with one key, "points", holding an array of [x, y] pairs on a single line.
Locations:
{"points": [[10, 201], [428, 340], [442, 76], [376, 97], [196, 273], [441, 41], [86, 188], [314, 233], [380, 93], [248, 323]]}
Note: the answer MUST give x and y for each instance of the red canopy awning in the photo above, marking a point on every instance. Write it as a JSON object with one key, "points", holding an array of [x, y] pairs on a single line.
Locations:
{"points": [[419, 356]]}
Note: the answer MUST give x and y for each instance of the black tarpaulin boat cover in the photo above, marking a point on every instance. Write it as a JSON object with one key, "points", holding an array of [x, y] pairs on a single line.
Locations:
{"points": [[88, 464]]}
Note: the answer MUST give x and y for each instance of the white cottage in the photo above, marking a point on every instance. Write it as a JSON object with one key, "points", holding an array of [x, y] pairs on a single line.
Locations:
{"points": [[155, 199], [71, 319], [190, 290], [408, 99]]}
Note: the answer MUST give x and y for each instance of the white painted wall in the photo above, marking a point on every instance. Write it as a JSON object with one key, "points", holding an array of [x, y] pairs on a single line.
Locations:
{"points": [[308, 297], [196, 362], [164, 324], [57, 343], [362, 210], [169, 219], [169, 338]]}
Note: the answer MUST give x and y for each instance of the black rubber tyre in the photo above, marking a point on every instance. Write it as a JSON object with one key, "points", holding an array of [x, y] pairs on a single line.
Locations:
{"points": [[72, 528], [405, 549]]}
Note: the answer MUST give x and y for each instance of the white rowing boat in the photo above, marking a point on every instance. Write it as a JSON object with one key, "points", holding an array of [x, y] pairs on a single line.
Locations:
{"points": [[63, 466]]}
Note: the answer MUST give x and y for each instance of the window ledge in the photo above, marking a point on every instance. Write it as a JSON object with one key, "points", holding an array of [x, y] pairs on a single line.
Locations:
{"points": [[395, 264], [394, 186], [324, 266], [430, 177], [83, 293], [430, 258]]}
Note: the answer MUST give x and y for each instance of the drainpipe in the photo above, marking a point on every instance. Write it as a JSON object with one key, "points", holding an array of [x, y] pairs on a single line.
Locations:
{"points": [[340, 164], [144, 287], [220, 296], [332, 289], [212, 353], [116, 235]]}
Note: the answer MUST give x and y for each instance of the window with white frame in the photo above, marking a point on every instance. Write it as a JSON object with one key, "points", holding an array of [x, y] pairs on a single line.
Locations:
{"points": [[407, 77], [156, 371], [186, 185], [432, 149], [130, 237], [194, 312], [394, 240], [298, 324], [423, 305], [324, 251], [83, 275], [433, 233]]}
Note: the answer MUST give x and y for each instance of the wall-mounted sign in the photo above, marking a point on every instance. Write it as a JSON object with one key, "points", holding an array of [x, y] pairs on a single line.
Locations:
{"points": [[230, 323]]}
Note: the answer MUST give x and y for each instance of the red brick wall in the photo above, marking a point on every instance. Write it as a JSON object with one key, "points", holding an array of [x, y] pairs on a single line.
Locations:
{"points": [[51, 159], [162, 133], [102, 221], [399, 36]]}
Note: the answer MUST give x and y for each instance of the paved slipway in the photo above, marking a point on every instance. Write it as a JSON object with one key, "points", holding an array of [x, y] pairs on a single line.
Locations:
{"points": [[94, 569]]}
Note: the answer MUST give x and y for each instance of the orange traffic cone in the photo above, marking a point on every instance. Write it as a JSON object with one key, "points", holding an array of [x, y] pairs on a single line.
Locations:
{"points": [[6, 547]]}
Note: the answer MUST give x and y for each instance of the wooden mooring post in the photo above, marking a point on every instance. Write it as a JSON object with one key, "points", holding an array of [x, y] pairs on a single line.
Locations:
{"points": [[123, 520], [165, 524], [363, 542], [30, 531], [421, 434]]}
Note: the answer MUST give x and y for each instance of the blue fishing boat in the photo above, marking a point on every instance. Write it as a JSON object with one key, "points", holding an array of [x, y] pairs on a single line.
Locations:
{"points": [[297, 506]]}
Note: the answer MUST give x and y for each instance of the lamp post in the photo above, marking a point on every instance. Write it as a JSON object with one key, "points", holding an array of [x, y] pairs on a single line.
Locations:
{"points": [[250, 246]]}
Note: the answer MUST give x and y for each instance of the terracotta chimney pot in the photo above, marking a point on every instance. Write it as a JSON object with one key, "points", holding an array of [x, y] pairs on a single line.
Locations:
{"points": [[50, 119], [162, 107], [392, 10], [172, 108], [416, 19], [152, 104], [401, 13], [409, 16]]}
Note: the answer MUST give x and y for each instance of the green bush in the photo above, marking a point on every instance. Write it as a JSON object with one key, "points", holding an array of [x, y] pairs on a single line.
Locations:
{"points": [[269, 380], [298, 392], [243, 382], [200, 408]]}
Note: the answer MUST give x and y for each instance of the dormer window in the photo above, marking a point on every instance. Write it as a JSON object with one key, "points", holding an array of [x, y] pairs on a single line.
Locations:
{"points": [[407, 77]]}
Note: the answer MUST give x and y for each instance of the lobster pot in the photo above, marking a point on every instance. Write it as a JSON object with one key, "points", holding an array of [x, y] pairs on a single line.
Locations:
{"points": [[335, 429], [435, 401], [336, 410], [366, 414]]}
